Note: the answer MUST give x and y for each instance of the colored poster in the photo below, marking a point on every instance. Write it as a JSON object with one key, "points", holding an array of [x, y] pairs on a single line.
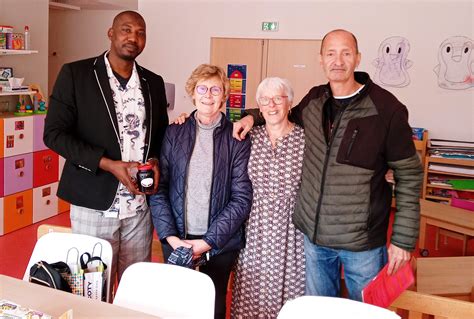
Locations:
{"points": [[236, 101], [234, 114], [237, 74], [238, 86], [237, 71]]}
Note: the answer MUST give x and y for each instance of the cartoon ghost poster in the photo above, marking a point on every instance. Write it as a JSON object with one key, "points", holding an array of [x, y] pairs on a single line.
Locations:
{"points": [[392, 63], [455, 69]]}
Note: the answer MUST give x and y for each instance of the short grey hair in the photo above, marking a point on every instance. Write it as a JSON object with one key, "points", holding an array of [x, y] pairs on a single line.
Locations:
{"points": [[275, 83]]}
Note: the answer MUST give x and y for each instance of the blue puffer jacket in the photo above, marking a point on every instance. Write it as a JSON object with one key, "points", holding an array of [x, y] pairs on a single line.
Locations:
{"points": [[231, 195]]}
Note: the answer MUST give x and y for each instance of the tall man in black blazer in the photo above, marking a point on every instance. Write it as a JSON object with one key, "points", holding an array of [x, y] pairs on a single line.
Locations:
{"points": [[106, 115]]}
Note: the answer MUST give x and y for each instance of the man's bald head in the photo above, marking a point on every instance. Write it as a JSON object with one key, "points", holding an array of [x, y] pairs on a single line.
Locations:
{"points": [[128, 13], [127, 35], [341, 31]]}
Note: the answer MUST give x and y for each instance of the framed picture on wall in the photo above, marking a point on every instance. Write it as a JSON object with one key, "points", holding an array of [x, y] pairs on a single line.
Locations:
{"points": [[5, 73]]}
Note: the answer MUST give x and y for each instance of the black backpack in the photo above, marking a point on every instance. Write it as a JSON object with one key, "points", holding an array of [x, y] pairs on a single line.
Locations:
{"points": [[49, 275]]}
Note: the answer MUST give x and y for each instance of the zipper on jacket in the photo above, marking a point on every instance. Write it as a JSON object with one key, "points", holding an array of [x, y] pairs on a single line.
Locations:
{"points": [[351, 143], [186, 181], [325, 166], [212, 177]]}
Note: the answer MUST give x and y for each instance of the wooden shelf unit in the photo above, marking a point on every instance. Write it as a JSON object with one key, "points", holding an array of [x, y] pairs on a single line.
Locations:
{"points": [[427, 186]]}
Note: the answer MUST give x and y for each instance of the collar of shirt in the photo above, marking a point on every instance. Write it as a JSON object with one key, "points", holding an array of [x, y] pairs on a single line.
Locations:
{"points": [[134, 79]]}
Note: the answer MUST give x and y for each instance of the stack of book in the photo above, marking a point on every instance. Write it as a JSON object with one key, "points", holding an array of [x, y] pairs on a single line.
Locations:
{"points": [[451, 149]]}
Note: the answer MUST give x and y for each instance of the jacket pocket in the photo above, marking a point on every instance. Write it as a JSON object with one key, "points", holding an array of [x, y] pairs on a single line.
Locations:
{"points": [[361, 143]]}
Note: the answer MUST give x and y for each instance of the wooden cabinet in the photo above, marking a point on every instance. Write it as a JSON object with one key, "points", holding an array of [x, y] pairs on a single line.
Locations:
{"points": [[438, 170], [295, 60], [18, 211], [25, 162], [45, 202], [17, 135], [1, 216], [29, 173], [18, 173], [45, 167]]}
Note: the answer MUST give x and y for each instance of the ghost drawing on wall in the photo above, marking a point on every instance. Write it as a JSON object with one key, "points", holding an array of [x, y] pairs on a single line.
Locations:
{"points": [[392, 63], [455, 69]]}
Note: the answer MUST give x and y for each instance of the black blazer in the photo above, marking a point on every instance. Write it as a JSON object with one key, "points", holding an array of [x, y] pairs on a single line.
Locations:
{"points": [[81, 126]]}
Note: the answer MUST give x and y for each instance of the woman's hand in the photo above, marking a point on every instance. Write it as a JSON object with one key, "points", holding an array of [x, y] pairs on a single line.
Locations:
{"points": [[199, 247], [175, 242], [389, 177]]}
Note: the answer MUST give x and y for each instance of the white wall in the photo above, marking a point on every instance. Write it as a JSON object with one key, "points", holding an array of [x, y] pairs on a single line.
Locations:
{"points": [[179, 32], [33, 13], [77, 35], [179, 39]]}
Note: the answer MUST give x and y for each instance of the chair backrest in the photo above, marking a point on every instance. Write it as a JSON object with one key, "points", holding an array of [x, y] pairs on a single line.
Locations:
{"points": [[447, 276], [44, 229], [54, 246], [156, 251], [332, 308], [166, 291], [419, 304]]}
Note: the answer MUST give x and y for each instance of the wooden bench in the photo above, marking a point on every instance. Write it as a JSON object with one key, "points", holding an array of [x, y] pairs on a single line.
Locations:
{"points": [[450, 218]]}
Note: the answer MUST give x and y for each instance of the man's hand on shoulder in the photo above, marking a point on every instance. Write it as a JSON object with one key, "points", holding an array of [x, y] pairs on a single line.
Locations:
{"points": [[242, 127], [180, 119]]}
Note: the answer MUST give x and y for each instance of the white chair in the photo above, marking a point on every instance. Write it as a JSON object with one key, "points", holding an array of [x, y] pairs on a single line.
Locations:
{"points": [[332, 308], [53, 247], [166, 291]]}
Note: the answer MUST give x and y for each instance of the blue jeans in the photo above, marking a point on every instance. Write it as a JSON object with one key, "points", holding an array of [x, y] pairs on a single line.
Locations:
{"points": [[323, 269]]}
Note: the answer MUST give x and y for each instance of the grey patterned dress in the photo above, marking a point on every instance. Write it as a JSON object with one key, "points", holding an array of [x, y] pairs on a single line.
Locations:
{"points": [[271, 268]]}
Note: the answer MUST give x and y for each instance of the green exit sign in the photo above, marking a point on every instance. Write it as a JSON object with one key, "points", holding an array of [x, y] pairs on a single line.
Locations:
{"points": [[270, 26]]}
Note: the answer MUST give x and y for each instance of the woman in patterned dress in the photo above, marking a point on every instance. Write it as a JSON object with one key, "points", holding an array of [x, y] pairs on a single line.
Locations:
{"points": [[271, 268]]}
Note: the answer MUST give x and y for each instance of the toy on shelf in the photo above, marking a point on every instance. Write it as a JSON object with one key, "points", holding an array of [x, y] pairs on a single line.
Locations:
{"points": [[38, 100], [22, 108]]}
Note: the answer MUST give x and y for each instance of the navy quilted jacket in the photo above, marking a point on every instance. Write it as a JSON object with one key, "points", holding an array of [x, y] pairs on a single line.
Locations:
{"points": [[231, 194]]}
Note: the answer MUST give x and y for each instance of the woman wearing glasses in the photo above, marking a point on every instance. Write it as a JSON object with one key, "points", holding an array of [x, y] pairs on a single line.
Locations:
{"points": [[204, 194], [270, 269]]}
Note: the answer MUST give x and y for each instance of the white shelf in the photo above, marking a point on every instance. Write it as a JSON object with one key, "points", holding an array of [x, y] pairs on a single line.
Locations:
{"points": [[16, 52], [63, 6], [16, 93]]}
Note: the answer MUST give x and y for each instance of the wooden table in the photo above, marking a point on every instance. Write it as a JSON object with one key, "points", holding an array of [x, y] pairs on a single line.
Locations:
{"points": [[444, 216], [56, 302]]}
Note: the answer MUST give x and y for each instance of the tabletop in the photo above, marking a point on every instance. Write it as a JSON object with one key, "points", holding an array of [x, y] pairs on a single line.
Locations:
{"points": [[55, 302]]}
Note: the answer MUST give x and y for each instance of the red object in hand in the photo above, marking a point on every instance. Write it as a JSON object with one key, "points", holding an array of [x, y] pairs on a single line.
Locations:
{"points": [[384, 289]]}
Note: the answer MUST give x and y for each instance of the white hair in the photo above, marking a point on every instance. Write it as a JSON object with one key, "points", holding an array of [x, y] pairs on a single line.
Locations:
{"points": [[275, 83]]}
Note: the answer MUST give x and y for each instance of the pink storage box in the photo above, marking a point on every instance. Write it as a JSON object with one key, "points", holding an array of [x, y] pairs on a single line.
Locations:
{"points": [[462, 203]]}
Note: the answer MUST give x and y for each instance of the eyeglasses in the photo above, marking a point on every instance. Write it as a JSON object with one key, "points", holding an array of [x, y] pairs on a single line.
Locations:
{"points": [[277, 100], [202, 89]]}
